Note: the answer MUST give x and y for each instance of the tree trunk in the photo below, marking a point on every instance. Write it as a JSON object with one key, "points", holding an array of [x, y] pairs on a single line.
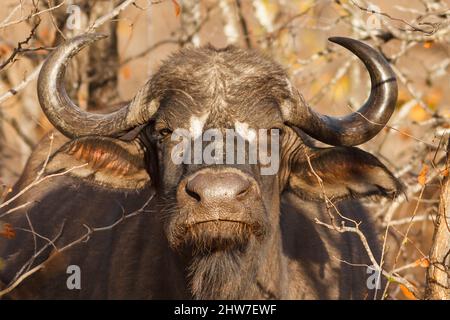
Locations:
{"points": [[103, 60], [438, 275]]}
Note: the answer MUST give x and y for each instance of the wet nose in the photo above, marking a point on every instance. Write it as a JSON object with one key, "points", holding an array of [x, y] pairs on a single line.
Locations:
{"points": [[214, 187]]}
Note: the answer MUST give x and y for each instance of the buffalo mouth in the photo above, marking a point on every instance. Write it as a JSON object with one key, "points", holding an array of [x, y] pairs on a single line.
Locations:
{"points": [[210, 235], [224, 228]]}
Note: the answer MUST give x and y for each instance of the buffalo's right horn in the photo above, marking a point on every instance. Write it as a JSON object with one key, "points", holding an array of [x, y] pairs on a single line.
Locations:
{"points": [[69, 118]]}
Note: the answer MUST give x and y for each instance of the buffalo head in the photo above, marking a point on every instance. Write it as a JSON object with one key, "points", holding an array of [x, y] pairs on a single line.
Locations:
{"points": [[215, 209]]}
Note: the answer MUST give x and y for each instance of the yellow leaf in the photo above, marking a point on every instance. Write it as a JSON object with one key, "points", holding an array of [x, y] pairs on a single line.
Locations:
{"points": [[422, 262], [422, 178], [407, 293], [433, 98], [418, 114], [428, 44]]}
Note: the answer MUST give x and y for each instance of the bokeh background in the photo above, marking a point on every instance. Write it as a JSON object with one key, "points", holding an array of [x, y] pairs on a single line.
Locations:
{"points": [[414, 35]]}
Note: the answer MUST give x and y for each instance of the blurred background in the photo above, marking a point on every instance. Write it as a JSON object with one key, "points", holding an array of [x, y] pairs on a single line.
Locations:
{"points": [[414, 35]]}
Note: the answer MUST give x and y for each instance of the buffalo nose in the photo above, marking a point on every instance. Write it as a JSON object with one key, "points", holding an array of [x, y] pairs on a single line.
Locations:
{"points": [[218, 187]]}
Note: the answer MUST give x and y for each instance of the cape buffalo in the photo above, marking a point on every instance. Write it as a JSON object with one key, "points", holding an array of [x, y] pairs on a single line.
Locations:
{"points": [[133, 223]]}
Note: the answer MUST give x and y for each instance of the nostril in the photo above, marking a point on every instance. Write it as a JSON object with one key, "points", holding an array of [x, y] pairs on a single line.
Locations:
{"points": [[193, 194], [243, 192]]}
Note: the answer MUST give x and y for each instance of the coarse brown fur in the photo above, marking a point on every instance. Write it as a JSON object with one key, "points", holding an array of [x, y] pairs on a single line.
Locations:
{"points": [[267, 248]]}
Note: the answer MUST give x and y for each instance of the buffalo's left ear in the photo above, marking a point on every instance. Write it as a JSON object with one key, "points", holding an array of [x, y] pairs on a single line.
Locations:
{"points": [[344, 172], [102, 161]]}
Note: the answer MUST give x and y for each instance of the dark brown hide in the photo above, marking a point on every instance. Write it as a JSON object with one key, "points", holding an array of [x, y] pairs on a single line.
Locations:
{"points": [[188, 243]]}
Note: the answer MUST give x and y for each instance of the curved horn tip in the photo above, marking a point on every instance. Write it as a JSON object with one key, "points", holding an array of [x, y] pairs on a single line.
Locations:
{"points": [[340, 40], [366, 53], [357, 127], [349, 43], [72, 46]]}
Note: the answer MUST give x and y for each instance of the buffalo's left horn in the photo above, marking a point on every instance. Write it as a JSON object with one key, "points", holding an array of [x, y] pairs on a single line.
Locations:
{"points": [[362, 125], [69, 118]]}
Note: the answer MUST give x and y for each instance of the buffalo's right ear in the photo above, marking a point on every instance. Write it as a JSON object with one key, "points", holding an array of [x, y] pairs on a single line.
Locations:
{"points": [[102, 161]]}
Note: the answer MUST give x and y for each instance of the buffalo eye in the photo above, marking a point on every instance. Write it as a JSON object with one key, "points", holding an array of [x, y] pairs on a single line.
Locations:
{"points": [[164, 132]]}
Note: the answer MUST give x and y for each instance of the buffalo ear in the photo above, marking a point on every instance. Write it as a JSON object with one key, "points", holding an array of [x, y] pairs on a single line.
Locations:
{"points": [[344, 172], [102, 161]]}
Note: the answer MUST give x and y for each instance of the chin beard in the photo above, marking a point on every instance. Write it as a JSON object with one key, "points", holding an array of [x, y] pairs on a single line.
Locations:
{"points": [[223, 257], [228, 273]]}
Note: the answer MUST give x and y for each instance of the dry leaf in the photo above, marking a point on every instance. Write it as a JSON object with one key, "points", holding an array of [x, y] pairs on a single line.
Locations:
{"points": [[177, 7], [45, 34], [422, 178], [7, 231], [418, 114], [403, 96], [4, 49], [407, 293], [434, 98], [428, 44], [445, 172], [422, 262]]}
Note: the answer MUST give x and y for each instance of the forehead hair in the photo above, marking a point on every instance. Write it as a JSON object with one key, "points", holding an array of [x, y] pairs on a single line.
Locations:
{"points": [[223, 82]]}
